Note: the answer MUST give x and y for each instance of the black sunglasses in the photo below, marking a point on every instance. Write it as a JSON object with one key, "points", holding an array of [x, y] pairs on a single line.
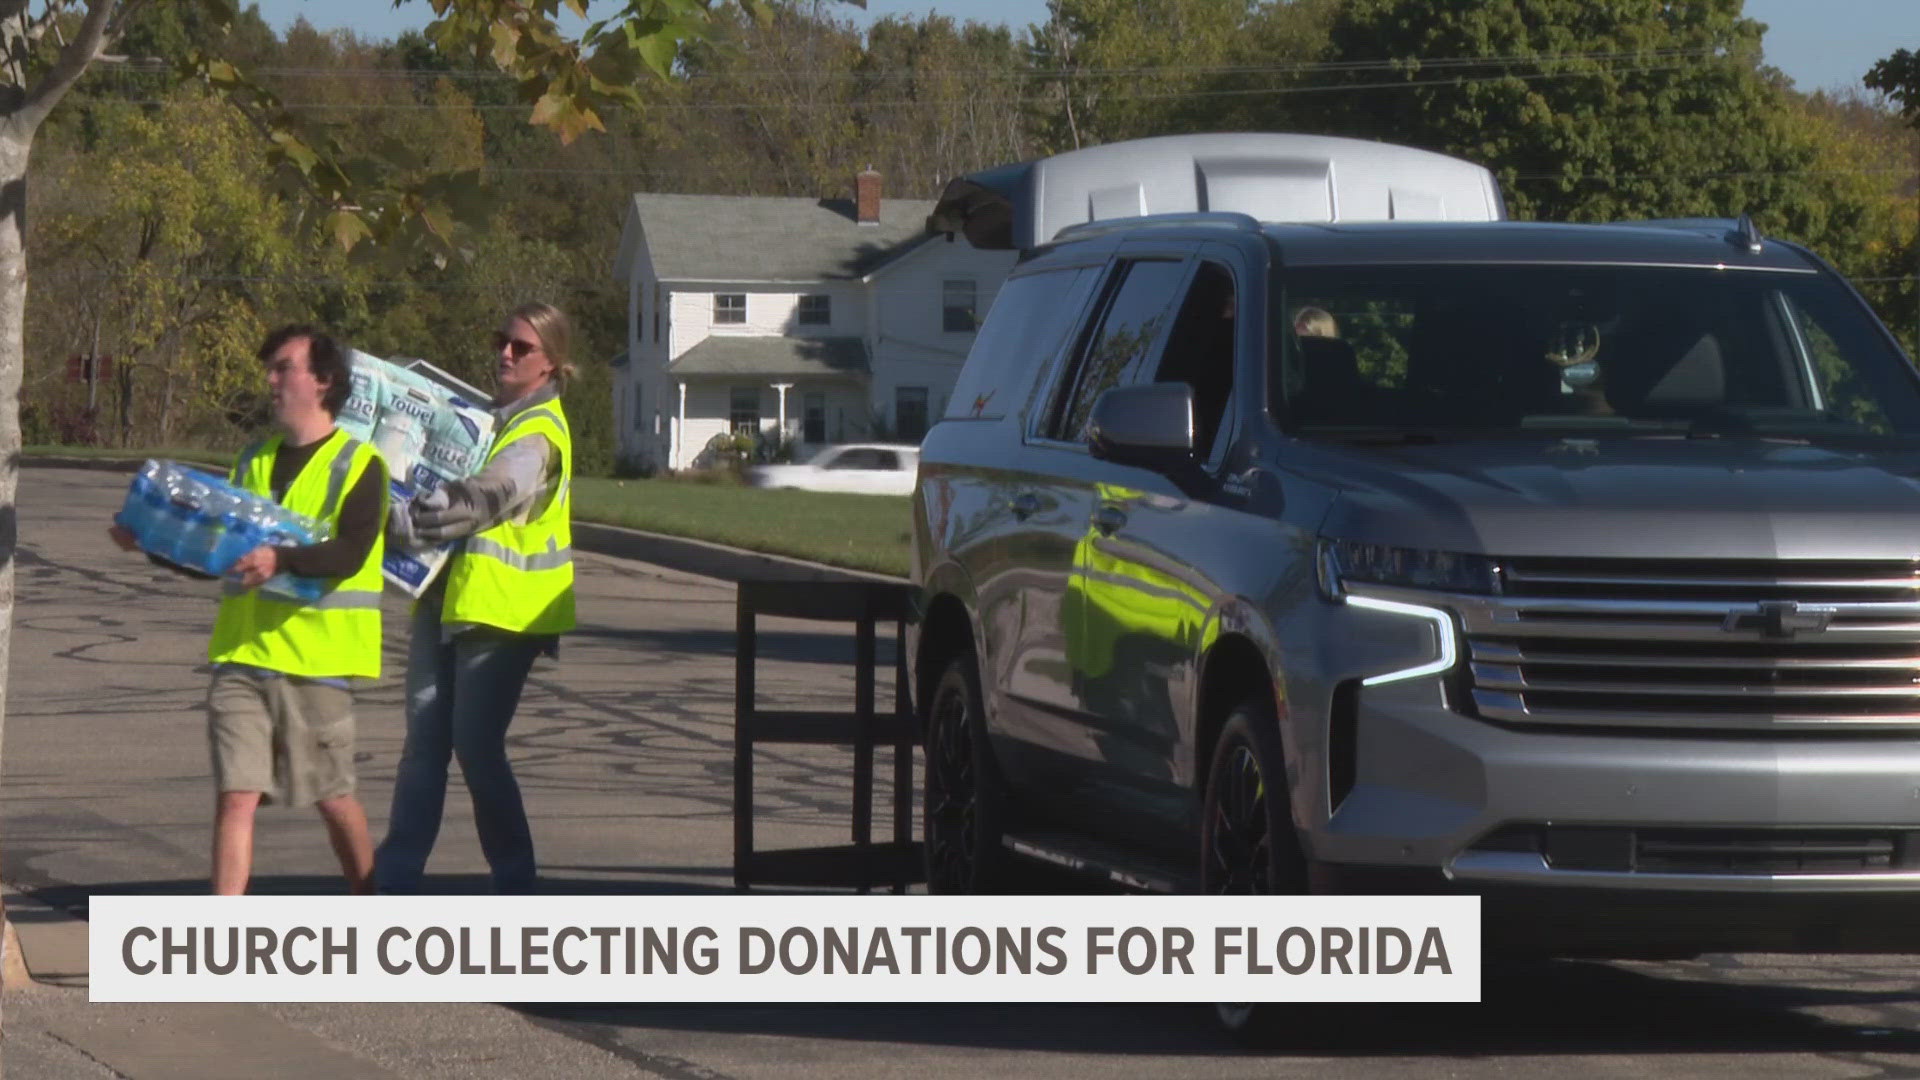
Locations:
{"points": [[518, 348]]}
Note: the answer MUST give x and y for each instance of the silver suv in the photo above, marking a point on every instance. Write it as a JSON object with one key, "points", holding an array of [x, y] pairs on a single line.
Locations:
{"points": [[1577, 567]]}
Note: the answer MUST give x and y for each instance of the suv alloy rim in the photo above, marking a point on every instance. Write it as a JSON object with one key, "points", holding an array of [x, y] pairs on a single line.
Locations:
{"points": [[952, 793], [1240, 858]]}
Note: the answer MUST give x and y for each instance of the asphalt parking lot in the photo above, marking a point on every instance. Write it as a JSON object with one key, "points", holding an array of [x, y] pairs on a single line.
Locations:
{"points": [[624, 749]]}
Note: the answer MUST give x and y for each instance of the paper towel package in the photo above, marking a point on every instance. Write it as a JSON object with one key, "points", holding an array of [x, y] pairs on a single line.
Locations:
{"points": [[460, 387], [428, 434], [199, 521]]}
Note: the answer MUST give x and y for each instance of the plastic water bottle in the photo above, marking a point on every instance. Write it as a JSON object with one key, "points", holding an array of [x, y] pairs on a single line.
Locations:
{"points": [[180, 533], [237, 537], [146, 513], [215, 505]]}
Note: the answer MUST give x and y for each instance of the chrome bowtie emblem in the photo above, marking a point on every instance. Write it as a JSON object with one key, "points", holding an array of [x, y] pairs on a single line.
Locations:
{"points": [[1779, 619]]}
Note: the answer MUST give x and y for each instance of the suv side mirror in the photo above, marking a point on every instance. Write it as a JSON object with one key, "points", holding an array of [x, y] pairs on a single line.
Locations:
{"points": [[1150, 426]]}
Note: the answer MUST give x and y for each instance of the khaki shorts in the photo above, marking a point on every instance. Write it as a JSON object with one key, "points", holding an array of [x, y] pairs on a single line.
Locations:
{"points": [[288, 738]]}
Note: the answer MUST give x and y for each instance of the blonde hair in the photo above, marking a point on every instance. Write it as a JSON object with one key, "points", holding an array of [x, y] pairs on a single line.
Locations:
{"points": [[555, 332], [1314, 322]]}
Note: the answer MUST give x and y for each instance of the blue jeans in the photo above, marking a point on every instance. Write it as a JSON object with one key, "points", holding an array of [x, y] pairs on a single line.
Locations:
{"points": [[461, 696]]}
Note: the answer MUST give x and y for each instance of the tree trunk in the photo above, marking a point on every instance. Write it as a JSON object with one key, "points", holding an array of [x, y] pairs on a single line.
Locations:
{"points": [[14, 147]]}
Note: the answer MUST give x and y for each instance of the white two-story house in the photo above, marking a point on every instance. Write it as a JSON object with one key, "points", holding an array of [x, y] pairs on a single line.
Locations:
{"points": [[830, 320]]}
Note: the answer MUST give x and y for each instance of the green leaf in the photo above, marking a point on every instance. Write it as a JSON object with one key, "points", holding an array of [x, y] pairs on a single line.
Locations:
{"points": [[222, 73], [506, 44], [347, 229], [658, 51], [437, 223], [549, 110], [295, 150]]}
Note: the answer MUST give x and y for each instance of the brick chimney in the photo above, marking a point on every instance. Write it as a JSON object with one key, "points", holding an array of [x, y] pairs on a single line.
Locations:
{"points": [[866, 197]]}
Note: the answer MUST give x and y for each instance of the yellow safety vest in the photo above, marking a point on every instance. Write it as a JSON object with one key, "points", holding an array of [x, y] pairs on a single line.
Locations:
{"points": [[518, 575], [338, 635]]}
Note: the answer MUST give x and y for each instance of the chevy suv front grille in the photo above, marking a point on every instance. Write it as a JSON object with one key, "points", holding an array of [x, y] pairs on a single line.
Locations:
{"points": [[1684, 644], [1762, 851]]}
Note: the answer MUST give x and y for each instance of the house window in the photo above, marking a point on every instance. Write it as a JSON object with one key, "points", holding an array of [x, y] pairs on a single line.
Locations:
{"points": [[816, 310], [659, 302], [729, 308], [813, 413], [910, 412], [743, 410], [957, 299]]}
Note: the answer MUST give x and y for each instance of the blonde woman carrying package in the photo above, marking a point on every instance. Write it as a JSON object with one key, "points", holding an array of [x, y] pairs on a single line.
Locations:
{"points": [[505, 596]]}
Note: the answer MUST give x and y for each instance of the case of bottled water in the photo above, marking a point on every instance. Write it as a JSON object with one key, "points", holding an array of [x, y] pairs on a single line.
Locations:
{"points": [[199, 521]]}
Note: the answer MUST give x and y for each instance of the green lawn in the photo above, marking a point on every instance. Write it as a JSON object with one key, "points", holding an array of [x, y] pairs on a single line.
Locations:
{"points": [[202, 457], [860, 532]]}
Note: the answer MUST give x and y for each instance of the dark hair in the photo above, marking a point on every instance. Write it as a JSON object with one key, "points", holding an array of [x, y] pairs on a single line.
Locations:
{"points": [[325, 358]]}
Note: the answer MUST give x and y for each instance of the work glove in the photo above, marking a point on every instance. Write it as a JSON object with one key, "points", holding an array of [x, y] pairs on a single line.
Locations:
{"points": [[440, 515], [401, 532]]}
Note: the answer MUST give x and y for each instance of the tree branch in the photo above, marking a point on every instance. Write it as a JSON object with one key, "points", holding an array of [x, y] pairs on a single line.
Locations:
{"points": [[67, 70], [48, 19], [128, 9]]}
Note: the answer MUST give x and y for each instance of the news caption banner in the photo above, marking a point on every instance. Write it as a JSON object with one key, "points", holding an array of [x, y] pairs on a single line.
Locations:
{"points": [[760, 948]]}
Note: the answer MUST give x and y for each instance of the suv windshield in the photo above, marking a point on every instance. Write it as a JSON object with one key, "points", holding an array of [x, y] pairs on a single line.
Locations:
{"points": [[1424, 351]]}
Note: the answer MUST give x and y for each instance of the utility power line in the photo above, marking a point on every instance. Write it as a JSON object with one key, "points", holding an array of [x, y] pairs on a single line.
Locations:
{"points": [[1030, 73], [842, 106], [697, 176]]}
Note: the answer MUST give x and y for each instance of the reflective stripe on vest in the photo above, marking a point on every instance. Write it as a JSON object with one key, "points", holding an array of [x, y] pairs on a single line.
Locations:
{"points": [[336, 636], [334, 600], [549, 559]]}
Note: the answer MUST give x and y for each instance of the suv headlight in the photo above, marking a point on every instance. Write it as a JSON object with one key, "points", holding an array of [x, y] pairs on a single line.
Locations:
{"points": [[1346, 562]]}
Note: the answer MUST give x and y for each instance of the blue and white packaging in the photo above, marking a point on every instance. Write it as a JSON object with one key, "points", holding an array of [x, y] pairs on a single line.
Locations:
{"points": [[197, 520], [428, 434]]}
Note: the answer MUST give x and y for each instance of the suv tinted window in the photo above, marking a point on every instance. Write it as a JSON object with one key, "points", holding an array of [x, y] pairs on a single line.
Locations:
{"points": [[1023, 331], [1594, 348], [1133, 322], [1199, 349]]}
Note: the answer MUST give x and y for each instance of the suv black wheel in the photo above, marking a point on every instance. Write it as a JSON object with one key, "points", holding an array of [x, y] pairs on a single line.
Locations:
{"points": [[1247, 842], [961, 820]]}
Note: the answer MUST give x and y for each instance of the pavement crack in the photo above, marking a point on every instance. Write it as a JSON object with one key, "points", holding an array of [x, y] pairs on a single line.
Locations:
{"points": [[82, 1051]]}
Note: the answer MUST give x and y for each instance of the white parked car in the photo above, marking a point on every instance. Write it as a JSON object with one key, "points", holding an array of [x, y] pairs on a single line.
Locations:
{"points": [[863, 468]]}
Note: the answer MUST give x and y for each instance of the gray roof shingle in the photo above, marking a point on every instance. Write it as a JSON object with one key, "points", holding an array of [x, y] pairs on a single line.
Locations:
{"points": [[749, 238], [834, 357]]}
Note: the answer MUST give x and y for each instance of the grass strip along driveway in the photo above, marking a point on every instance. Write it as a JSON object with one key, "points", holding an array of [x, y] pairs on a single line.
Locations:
{"points": [[858, 532]]}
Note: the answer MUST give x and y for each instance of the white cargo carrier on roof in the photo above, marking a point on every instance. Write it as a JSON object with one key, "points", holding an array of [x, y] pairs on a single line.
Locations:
{"points": [[1269, 177]]}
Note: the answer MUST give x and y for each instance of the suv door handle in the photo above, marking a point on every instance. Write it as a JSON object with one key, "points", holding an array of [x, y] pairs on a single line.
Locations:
{"points": [[1109, 519], [1025, 505]]}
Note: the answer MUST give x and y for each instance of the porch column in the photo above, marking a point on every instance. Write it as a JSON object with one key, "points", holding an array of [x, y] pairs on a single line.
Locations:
{"points": [[782, 388], [680, 430]]}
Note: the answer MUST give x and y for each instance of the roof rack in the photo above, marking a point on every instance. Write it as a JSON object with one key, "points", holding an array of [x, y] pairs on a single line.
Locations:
{"points": [[1746, 234], [1223, 219], [1740, 232]]}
